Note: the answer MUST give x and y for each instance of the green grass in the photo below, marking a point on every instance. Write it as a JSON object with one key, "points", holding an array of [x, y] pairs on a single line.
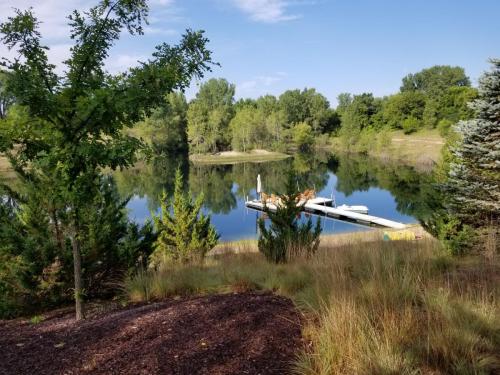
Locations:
{"points": [[237, 157], [397, 307], [421, 149], [37, 319]]}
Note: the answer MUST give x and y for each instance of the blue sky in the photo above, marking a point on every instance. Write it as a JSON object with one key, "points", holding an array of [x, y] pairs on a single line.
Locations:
{"points": [[268, 46]]}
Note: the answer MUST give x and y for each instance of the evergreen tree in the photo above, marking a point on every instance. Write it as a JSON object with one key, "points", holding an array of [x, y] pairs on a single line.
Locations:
{"points": [[288, 238], [184, 232], [474, 175]]}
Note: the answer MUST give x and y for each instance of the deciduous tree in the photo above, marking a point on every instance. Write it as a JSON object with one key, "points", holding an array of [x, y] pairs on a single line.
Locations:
{"points": [[75, 120]]}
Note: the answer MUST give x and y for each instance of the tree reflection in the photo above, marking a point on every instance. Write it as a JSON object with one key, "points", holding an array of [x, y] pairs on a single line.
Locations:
{"points": [[414, 192], [224, 185]]}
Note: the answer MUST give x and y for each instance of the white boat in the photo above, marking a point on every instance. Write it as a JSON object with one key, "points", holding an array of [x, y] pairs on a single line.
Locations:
{"points": [[358, 209]]}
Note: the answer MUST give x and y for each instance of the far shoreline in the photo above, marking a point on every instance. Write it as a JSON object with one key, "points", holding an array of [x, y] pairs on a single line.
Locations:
{"points": [[234, 157]]}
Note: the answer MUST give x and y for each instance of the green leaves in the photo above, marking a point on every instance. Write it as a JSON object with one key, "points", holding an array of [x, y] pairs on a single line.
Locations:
{"points": [[66, 130], [435, 80], [209, 116], [184, 232]]}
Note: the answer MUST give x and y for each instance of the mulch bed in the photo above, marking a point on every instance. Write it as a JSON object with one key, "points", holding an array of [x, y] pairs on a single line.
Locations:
{"points": [[241, 333]]}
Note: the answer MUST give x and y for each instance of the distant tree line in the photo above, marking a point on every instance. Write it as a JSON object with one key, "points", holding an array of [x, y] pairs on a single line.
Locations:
{"points": [[214, 121], [436, 97]]}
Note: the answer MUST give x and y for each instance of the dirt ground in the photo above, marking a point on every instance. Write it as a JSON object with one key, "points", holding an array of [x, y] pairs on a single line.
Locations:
{"points": [[245, 333]]}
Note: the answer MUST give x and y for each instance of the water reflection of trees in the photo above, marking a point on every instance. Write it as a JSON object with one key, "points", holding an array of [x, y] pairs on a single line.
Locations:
{"points": [[216, 184], [413, 191], [150, 179], [223, 185]]}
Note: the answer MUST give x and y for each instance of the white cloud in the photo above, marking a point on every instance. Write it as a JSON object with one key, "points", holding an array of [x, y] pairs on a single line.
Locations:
{"points": [[122, 62], [162, 2], [56, 33], [268, 11], [259, 85], [152, 30], [51, 13]]}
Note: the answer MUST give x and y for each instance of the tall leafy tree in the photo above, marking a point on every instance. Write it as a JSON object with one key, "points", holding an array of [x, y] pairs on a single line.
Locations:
{"points": [[344, 100], [401, 106], [474, 175], [267, 104], [248, 129], [294, 105], [75, 120], [435, 80], [209, 115], [166, 128], [358, 116]]}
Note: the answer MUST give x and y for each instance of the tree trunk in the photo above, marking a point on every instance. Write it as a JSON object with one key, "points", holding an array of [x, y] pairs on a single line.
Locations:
{"points": [[57, 230], [77, 262]]}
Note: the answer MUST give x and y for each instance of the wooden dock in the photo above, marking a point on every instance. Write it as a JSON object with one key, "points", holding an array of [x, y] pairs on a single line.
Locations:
{"points": [[323, 207]]}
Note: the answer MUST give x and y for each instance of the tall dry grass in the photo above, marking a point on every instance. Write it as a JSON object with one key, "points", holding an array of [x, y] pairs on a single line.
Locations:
{"points": [[404, 308], [376, 307]]}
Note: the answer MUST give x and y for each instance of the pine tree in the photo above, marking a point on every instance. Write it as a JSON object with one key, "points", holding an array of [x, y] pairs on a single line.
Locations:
{"points": [[474, 175], [184, 232], [287, 237]]}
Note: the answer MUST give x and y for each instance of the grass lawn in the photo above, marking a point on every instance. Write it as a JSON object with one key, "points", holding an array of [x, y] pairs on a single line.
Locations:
{"points": [[371, 306], [423, 147]]}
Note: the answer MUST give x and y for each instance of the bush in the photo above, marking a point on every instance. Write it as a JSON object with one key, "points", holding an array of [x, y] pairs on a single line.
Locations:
{"points": [[455, 236], [184, 232], [287, 238], [384, 140], [444, 127], [410, 125], [36, 268]]}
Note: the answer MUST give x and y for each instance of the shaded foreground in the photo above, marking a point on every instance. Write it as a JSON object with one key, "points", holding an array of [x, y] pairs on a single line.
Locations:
{"points": [[246, 333]]}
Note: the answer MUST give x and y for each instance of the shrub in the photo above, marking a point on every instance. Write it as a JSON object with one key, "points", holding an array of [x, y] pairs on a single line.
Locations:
{"points": [[444, 127], [384, 140], [287, 237], [410, 125], [455, 236], [184, 232]]}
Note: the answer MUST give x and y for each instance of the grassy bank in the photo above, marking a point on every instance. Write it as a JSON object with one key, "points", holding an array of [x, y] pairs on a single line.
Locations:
{"points": [[233, 157], [373, 307], [421, 149]]}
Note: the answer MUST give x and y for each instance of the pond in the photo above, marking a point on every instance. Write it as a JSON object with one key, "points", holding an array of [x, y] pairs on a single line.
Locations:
{"points": [[390, 190]]}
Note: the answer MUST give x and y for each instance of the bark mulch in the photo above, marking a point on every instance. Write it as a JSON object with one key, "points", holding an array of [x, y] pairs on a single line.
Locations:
{"points": [[241, 333]]}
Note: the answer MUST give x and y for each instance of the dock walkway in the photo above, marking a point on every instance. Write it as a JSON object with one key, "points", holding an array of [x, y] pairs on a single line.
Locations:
{"points": [[322, 206]]}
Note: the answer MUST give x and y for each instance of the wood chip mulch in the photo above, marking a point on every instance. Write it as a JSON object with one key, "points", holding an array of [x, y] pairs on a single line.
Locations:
{"points": [[241, 333]]}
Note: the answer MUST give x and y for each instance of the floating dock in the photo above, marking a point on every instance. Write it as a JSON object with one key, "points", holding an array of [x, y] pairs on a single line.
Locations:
{"points": [[323, 207]]}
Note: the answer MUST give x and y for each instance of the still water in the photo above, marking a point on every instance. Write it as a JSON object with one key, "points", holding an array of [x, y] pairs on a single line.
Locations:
{"points": [[389, 190]]}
